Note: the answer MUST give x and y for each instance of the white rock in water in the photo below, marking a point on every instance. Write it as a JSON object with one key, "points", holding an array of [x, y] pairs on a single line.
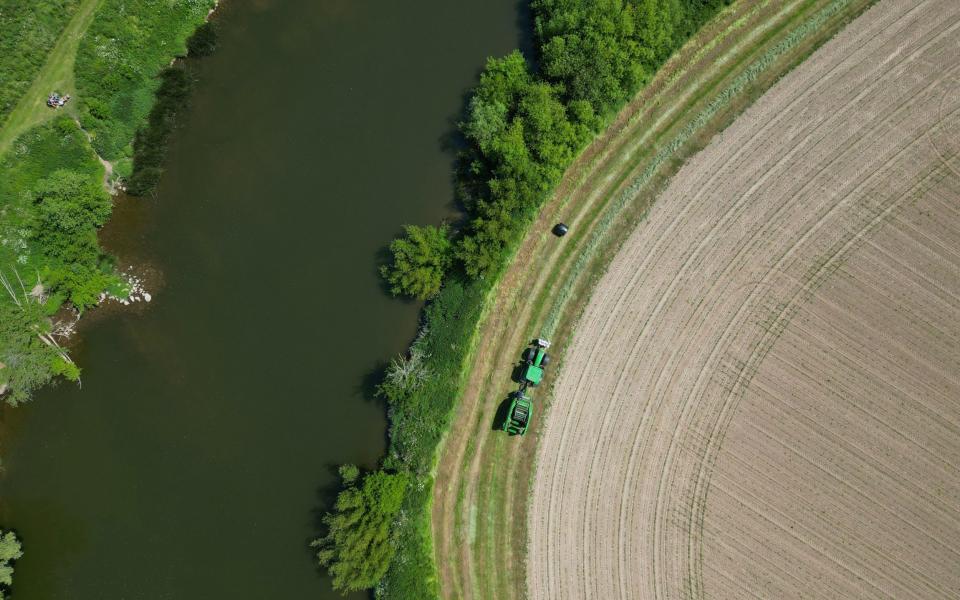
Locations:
{"points": [[146, 297], [125, 303]]}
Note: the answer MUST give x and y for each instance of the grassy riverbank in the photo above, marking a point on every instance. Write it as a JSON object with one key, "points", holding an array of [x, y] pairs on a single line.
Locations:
{"points": [[107, 55]]}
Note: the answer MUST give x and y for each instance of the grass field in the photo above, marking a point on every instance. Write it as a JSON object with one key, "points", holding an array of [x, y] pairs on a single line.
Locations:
{"points": [[56, 74], [761, 397], [481, 498]]}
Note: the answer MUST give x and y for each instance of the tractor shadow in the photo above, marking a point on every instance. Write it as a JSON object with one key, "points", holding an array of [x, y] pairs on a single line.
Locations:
{"points": [[503, 411], [516, 375]]}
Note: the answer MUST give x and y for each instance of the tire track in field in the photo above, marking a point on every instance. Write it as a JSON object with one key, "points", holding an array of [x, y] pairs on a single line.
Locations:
{"points": [[675, 280], [686, 428]]}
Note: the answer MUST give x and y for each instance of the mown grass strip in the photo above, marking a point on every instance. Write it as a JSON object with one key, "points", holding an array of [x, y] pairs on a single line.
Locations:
{"points": [[55, 75]]}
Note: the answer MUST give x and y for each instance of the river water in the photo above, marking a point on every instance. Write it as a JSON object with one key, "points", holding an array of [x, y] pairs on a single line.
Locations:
{"points": [[192, 463]]}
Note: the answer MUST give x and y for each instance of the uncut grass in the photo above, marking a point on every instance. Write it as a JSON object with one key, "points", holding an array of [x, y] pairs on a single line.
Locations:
{"points": [[28, 30]]}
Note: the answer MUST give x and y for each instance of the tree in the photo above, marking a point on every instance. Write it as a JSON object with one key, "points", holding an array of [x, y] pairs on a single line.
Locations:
{"points": [[10, 550], [420, 259], [358, 548], [71, 206]]}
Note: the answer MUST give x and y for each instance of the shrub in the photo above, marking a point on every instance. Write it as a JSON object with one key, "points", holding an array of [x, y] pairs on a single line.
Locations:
{"points": [[357, 548], [420, 259], [10, 551]]}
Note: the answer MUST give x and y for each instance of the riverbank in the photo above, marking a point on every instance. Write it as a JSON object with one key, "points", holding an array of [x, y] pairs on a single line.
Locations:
{"points": [[483, 477], [522, 130], [51, 197]]}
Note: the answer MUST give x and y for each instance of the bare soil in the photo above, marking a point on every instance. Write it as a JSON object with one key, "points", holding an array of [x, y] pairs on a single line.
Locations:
{"points": [[762, 398]]}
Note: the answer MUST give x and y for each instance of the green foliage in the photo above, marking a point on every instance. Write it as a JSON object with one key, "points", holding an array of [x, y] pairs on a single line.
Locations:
{"points": [[420, 259], [405, 375], [419, 417], [70, 208], [51, 204], [27, 32], [521, 138], [10, 551], [602, 51], [349, 474], [51, 197], [126, 45], [27, 361], [357, 548]]}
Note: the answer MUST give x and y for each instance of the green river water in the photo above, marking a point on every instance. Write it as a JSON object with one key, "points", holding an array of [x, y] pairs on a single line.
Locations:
{"points": [[193, 461]]}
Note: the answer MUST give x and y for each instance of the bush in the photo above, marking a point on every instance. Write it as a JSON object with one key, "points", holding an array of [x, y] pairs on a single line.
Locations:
{"points": [[420, 260], [51, 204], [10, 551], [357, 548]]}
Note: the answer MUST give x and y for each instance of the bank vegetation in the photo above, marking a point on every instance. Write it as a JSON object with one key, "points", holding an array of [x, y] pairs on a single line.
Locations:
{"points": [[52, 197]]}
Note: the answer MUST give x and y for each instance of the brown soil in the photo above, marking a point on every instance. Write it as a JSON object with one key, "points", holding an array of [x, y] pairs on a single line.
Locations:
{"points": [[761, 399]]}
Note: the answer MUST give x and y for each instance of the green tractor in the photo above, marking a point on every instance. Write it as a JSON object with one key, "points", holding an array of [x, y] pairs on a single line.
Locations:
{"points": [[518, 418], [535, 360]]}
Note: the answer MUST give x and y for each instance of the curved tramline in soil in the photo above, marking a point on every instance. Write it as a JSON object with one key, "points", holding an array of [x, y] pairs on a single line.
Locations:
{"points": [[483, 477], [761, 399]]}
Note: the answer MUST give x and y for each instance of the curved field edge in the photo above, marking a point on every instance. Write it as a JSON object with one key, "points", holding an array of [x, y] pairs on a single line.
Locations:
{"points": [[668, 291], [479, 512]]}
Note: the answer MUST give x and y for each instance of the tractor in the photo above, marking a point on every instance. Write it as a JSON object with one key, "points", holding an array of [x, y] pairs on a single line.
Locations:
{"points": [[518, 418], [535, 359]]}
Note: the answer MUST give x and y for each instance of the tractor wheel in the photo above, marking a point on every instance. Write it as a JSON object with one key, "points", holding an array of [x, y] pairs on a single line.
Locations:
{"points": [[529, 354], [545, 360]]}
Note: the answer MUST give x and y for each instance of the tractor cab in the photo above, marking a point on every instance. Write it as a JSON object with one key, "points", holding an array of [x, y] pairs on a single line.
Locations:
{"points": [[535, 359]]}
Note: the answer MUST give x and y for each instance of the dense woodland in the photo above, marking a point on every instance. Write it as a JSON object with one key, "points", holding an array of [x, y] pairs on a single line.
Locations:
{"points": [[522, 128]]}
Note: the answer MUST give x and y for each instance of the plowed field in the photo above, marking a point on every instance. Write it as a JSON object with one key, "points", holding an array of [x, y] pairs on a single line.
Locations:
{"points": [[762, 398]]}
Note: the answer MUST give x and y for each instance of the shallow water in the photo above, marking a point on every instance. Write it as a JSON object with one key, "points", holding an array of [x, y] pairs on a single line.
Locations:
{"points": [[192, 462]]}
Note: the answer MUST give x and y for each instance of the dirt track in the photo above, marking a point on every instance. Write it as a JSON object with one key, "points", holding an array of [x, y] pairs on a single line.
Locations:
{"points": [[763, 397]]}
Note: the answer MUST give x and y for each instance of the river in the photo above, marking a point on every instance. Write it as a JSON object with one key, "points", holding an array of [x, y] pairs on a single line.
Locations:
{"points": [[193, 461]]}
